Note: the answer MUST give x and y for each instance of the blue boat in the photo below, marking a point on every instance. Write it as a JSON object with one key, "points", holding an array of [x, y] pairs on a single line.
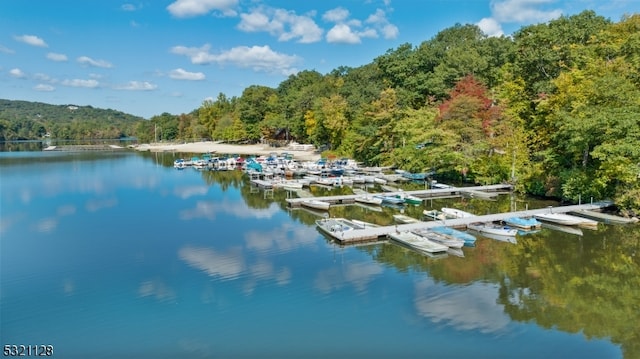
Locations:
{"points": [[391, 200], [417, 176], [469, 239], [523, 223], [253, 165]]}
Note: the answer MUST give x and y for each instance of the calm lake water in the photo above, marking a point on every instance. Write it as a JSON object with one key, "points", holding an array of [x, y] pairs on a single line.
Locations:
{"points": [[119, 255]]}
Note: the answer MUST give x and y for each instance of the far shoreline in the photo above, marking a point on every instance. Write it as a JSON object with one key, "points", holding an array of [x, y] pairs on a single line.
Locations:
{"points": [[226, 148]]}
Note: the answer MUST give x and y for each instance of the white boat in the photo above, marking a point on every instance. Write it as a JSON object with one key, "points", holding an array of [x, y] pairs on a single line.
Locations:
{"points": [[335, 227], [366, 199], [363, 224], [449, 241], [324, 181], [561, 218], [457, 213], [316, 204], [491, 228], [469, 239], [436, 215], [404, 219], [419, 243]]}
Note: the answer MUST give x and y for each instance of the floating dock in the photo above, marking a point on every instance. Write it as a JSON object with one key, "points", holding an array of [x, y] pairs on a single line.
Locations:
{"points": [[378, 233], [77, 148], [424, 194], [604, 217]]}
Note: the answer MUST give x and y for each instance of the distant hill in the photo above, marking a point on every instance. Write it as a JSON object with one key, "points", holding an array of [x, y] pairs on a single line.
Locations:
{"points": [[24, 120]]}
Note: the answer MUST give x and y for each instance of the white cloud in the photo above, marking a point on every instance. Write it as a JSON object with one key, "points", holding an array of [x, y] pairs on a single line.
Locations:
{"points": [[129, 7], [84, 60], [190, 8], [31, 40], [6, 50], [380, 21], [352, 31], [80, 83], [43, 77], [17, 73], [341, 33], [258, 58], [284, 24], [181, 74], [338, 14], [137, 86], [56, 57], [390, 31], [44, 88], [490, 27], [523, 11]]}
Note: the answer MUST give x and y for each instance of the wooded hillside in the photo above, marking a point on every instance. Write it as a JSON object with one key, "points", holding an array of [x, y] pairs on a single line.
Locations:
{"points": [[554, 109], [24, 120]]}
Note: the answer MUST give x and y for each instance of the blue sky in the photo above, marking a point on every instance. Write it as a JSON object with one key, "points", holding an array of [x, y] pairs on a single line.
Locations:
{"points": [[146, 57]]}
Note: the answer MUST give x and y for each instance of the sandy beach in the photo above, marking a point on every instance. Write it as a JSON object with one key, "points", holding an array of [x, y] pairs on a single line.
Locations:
{"points": [[225, 148]]}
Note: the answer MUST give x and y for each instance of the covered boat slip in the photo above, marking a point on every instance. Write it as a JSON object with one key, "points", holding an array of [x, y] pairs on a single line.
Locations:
{"points": [[376, 233]]}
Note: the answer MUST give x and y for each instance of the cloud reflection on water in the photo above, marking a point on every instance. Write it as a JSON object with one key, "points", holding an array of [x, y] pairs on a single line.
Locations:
{"points": [[209, 210], [231, 265], [473, 307], [185, 192], [227, 265], [358, 275], [95, 204], [285, 238], [157, 289]]}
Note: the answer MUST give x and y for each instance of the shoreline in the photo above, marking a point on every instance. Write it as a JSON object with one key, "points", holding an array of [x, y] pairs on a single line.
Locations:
{"points": [[226, 148]]}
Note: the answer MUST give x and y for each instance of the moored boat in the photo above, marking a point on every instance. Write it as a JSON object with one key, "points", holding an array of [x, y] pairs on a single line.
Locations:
{"points": [[492, 228], [449, 241], [436, 215], [418, 243], [391, 199], [523, 222], [469, 239], [560, 218], [409, 199], [457, 213], [316, 204], [366, 199], [335, 227]]}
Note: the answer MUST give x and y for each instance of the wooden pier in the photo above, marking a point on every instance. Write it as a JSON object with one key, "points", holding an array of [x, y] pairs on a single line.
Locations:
{"points": [[424, 194], [378, 233]]}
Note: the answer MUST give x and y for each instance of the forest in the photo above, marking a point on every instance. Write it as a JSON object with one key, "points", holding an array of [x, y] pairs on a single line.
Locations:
{"points": [[553, 109], [25, 120]]}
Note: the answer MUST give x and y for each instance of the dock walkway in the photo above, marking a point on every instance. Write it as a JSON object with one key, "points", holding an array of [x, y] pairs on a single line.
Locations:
{"points": [[424, 194], [376, 233]]}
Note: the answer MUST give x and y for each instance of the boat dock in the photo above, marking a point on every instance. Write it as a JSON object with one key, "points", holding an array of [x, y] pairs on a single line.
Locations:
{"points": [[424, 194], [377, 233], [604, 217], [76, 148]]}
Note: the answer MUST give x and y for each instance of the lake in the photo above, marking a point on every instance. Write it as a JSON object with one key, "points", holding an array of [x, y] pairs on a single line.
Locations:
{"points": [[119, 255]]}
